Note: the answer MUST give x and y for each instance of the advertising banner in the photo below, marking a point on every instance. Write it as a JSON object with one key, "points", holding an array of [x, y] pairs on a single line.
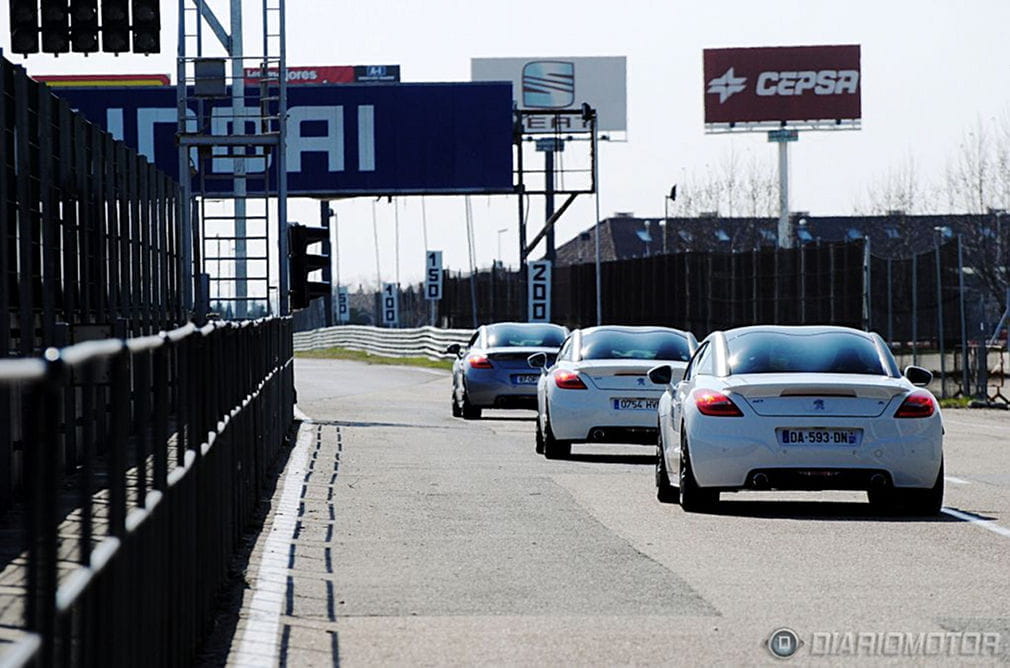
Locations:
{"points": [[775, 85], [342, 140], [563, 83], [330, 74]]}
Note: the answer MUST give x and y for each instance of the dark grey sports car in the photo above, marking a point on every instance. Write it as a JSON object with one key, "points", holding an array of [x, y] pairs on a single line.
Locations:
{"points": [[492, 371]]}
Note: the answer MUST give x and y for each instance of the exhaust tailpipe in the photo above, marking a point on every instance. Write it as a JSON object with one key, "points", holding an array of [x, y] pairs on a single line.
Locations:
{"points": [[760, 481], [597, 434], [878, 481]]}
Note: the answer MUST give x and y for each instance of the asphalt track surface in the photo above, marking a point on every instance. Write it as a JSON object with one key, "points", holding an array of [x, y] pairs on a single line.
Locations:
{"points": [[410, 536]]}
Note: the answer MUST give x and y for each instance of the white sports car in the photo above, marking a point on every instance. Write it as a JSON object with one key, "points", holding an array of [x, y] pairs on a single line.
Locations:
{"points": [[798, 408], [598, 389]]}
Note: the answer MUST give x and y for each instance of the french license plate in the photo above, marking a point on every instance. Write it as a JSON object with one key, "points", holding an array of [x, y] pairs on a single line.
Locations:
{"points": [[632, 404], [820, 436], [525, 379]]}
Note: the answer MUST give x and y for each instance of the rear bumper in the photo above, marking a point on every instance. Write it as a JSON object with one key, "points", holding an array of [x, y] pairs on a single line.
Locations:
{"points": [[725, 454], [497, 393], [819, 479], [576, 414]]}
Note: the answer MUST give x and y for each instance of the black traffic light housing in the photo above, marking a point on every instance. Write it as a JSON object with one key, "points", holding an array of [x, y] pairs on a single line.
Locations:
{"points": [[115, 26], [303, 263], [55, 26], [146, 26], [24, 26], [84, 26]]}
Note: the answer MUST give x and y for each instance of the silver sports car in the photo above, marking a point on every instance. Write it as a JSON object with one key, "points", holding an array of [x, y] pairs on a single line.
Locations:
{"points": [[491, 371]]}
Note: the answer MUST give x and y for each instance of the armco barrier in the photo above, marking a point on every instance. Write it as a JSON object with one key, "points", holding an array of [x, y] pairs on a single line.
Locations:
{"points": [[427, 342]]}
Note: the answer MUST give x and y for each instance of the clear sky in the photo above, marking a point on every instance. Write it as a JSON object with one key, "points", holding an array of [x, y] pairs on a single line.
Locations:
{"points": [[930, 70]]}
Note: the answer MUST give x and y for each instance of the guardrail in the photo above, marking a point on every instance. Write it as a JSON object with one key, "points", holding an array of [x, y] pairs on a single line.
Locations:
{"points": [[178, 431], [427, 342]]}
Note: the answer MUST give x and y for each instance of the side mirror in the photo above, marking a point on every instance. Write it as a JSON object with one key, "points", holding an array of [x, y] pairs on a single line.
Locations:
{"points": [[537, 360], [918, 376], [661, 375], [453, 349]]}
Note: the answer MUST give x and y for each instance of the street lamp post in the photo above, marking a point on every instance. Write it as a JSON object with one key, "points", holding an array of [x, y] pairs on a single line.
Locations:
{"points": [[940, 232], [501, 232], [672, 197]]}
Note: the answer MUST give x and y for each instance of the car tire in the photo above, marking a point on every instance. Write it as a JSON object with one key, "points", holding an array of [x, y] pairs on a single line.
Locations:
{"points": [[553, 448], [456, 410], [693, 499], [468, 410], [665, 492], [540, 438], [913, 502]]}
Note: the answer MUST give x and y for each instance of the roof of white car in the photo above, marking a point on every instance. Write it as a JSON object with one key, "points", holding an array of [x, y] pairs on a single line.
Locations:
{"points": [[798, 330], [631, 328]]}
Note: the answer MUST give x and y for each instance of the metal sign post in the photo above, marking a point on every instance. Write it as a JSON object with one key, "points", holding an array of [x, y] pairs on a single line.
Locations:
{"points": [[782, 138]]}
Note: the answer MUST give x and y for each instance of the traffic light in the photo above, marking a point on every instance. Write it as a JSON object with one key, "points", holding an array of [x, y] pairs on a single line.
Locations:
{"points": [[146, 26], [24, 26], [84, 26], [115, 26], [303, 263], [55, 26]]}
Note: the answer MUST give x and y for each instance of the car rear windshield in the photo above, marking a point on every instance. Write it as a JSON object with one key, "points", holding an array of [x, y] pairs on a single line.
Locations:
{"points": [[609, 344], [825, 352], [508, 336]]}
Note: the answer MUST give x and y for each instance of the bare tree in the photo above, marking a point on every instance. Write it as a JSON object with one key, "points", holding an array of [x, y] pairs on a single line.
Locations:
{"points": [[733, 187], [899, 188], [969, 175]]}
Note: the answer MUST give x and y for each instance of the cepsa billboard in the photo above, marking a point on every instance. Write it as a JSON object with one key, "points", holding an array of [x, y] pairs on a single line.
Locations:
{"points": [[782, 84]]}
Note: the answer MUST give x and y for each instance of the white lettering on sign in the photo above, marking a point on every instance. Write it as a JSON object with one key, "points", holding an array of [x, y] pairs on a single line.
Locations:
{"points": [[824, 82], [331, 142]]}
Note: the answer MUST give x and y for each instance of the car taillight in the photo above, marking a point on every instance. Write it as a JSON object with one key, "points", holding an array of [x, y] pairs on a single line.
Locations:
{"points": [[568, 380], [716, 404], [919, 404], [479, 362]]}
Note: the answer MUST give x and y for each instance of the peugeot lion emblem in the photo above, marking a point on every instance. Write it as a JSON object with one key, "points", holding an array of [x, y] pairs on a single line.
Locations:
{"points": [[818, 404]]}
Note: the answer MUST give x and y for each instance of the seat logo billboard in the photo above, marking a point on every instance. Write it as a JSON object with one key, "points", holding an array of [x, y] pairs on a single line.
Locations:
{"points": [[782, 84], [548, 84], [551, 84]]}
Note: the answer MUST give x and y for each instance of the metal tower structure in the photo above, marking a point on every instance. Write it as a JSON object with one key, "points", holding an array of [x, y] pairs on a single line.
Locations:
{"points": [[231, 114]]}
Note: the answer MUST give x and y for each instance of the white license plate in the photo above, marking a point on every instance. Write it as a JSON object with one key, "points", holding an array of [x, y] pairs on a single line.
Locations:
{"points": [[525, 379], [626, 404], [845, 437]]}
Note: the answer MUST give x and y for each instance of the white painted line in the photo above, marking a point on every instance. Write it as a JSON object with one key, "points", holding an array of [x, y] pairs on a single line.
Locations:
{"points": [[955, 480], [434, 372], [299, 415], [975, 519], [261, 634]]}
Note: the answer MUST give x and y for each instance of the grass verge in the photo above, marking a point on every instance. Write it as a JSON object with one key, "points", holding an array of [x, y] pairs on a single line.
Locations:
{"points": [[955, 402], [368, 358]]}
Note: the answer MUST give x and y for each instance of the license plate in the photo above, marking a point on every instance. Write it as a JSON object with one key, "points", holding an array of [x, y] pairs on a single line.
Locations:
{"points": [[820, 436], [625, 404], [525, 379]]}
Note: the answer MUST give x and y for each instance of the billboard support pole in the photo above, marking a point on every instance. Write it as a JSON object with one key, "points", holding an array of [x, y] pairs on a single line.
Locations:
{"points": [[785, 234]]}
